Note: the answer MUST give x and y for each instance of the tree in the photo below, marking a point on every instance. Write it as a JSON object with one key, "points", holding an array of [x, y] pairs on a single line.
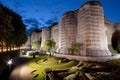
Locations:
{"points": [[36, 45], [49, 45], [116, 41], [19, 35], [5, 24], [118, 45], [75, 47], [12, 29]]}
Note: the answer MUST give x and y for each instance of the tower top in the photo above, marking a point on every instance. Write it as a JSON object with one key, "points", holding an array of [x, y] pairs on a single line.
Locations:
{"points": [[92, 2]]}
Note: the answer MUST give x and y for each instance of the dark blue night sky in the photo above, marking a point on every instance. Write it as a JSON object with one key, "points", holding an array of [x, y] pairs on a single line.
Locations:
{"points": [[41, 13]]}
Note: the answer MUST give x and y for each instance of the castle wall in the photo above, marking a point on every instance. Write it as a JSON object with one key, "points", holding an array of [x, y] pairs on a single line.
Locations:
{"points": [[109, 29], [36, 36], [116, 26], [67, 31], [91, 30], [82, 27], [86, 25], [55, 35], [45, 35]]}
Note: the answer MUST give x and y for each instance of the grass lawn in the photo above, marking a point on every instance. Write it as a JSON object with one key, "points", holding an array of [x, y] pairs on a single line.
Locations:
{"points": [[87, 70], [42, 63]]}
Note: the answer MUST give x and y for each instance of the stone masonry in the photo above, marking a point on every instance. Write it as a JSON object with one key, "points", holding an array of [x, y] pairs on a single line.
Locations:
{"points": [[86, 25]]}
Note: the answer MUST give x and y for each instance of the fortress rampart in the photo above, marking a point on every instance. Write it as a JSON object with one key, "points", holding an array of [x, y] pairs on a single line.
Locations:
{"points": [[86, 25]]}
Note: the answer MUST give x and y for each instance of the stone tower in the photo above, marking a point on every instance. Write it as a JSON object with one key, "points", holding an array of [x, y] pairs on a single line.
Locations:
{"points": [[67, 31], [91, 30], [45, 35], [35, 36], [55, 35]]}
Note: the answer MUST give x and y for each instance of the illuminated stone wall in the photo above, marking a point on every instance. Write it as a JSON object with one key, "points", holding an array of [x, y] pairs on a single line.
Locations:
{"points": [[45, 35], [36, 36], [67, 31], [55, 35], [109, 29], [91, 30], [86, 25]]}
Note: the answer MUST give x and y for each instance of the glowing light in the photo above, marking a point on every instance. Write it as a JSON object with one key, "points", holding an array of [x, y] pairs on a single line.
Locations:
{"points": [[10, 61]]}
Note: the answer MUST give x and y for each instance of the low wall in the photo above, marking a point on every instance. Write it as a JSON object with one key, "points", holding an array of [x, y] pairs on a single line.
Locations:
{"points": [[87, 58]]}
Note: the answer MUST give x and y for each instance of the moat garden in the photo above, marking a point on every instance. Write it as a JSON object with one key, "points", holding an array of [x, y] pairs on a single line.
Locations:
{"points": [[47, 67], [52, 68]]}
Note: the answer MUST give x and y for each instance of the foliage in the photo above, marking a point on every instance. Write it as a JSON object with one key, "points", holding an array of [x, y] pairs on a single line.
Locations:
{"points": [[111, 49], [36, 45], [6, 26], [96, 70], [115, 62], [75, 47], [5, 23], [116, 41], [49, 45], [118, 45], [13, 31], [19, 35], [44, 63]]}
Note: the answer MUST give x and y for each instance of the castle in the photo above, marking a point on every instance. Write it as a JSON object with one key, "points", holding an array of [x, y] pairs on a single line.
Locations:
{"points": [[86, 25]]}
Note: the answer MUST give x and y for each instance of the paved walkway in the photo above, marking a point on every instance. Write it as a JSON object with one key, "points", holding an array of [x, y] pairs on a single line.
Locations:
{"points": [[21, 71]]}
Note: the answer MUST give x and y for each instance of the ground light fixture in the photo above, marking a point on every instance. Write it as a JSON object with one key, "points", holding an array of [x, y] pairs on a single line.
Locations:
{"points": [[10, 62]]}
